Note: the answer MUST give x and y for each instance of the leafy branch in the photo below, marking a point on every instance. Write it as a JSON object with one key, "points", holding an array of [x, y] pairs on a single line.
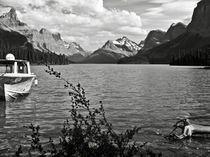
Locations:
{"points": [[87, 133]]}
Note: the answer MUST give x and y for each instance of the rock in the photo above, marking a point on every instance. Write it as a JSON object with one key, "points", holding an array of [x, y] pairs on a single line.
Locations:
{"points": [[57, 36], [154, 38], [10, 19], [175, 30], [158, 37], [201, 19]]}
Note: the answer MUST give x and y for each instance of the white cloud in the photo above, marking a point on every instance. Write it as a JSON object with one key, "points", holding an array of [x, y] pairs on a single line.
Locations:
{"points": [[168, 11], [133, 30], [76, 19], [179, 9], [90, 24], [154, 12], [105, 33], [161, 1]]}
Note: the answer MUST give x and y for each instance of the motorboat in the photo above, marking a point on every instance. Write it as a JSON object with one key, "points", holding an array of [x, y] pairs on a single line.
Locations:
{"points": [[16, 78]]}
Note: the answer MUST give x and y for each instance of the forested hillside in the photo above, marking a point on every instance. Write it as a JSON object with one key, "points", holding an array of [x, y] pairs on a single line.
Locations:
{"points": [[17, 44], [200, 56]]}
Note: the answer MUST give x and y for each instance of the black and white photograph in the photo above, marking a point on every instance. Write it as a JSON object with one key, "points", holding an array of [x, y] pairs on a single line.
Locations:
{"points": [[104, 78]]}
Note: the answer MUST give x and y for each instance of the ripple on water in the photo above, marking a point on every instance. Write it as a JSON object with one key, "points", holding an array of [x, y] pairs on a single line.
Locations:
{"points": [[151, 97]]}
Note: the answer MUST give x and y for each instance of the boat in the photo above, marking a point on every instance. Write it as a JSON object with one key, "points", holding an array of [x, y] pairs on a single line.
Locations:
{"points": [[207, 67], [188, 130], [16, 78]]}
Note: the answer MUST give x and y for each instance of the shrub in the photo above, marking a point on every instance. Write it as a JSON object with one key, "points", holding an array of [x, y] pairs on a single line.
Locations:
{"points": [[87, 134]]}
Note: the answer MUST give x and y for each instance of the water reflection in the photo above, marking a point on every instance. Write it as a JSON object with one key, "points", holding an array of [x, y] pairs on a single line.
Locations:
{"points": [[198, 96], [18, 98], [4, 105]]}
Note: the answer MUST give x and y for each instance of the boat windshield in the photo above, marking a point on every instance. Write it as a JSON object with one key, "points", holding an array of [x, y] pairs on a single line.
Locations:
{"points": [[6, 68], [22, 67]]}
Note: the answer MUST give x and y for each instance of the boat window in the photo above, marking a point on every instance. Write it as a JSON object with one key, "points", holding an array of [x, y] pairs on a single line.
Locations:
{"points": [[22, 67], [9, 68], [6, 68], [2, 69]]}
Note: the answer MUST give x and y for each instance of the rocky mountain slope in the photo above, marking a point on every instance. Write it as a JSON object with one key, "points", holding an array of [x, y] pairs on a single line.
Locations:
{"points": [[9, 39], [103, 56], [158, 37], [11, 20], [183, 44], [42, 40], [154, 38], [175, 30], [112, 51], [196, 36], [17, 44], [200, 23]]}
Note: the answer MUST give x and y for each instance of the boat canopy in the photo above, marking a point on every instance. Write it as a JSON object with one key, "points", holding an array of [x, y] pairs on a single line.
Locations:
{"points": [[7, 62], [15, 66]]}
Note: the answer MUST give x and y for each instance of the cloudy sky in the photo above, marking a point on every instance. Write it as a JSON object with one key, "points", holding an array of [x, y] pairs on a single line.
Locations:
{"points": [[92, 22]]}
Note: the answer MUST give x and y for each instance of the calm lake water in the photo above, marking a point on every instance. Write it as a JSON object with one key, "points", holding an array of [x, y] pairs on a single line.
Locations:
{"points": [[149, 96]]}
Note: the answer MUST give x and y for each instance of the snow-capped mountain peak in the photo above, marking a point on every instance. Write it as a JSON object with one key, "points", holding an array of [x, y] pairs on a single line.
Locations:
{"points": [[124, 41], [10, 19], [122, 46]]}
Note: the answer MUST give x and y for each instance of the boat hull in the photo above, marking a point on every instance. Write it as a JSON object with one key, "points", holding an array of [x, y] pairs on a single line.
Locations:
{"points": [[13, 88]]}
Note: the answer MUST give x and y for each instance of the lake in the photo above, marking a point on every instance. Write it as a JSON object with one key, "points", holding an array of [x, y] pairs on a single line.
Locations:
{"points": [[149, 96]]}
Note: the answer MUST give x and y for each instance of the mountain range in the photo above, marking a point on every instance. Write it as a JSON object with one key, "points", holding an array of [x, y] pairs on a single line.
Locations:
{"points": [[181, 40], [42, 40], [114, 50], [159, 47], [123, 48], [158, 37]]}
